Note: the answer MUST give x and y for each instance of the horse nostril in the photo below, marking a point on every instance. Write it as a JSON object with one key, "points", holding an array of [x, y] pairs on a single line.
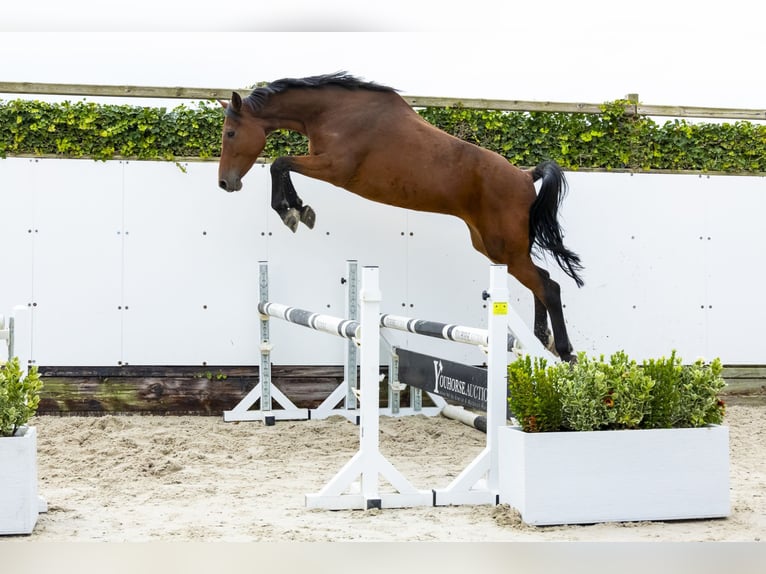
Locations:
{"points": [[222, 184]]}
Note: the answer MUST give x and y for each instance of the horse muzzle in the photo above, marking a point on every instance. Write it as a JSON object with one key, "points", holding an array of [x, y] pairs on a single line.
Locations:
{"points": [[230, 186]]}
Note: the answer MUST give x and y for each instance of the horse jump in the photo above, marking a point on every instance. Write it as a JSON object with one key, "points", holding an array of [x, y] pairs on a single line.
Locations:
{"points": [[477, 484]]}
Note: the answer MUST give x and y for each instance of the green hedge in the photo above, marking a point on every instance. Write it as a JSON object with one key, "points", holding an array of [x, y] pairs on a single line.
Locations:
{"points": [[611, 140]]}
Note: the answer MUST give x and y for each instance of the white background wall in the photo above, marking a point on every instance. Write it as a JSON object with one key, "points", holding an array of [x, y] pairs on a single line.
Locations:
{"points": [[141, 263]]}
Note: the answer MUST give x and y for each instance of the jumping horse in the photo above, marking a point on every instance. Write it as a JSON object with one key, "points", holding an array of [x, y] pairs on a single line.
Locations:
{"points": [[365, 138]]}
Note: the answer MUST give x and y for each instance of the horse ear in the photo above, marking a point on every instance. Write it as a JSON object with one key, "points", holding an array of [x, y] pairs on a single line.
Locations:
{"points": [[224, 104], [236, 101]]}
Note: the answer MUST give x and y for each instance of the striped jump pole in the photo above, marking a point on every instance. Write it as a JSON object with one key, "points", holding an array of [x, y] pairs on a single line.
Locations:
{"points": [[346, 328], [446, 331]]}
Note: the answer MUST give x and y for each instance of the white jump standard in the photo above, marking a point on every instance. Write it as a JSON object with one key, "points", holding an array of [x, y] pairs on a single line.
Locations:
{"points": [[357, 484], [478, 482], [264, 390]]}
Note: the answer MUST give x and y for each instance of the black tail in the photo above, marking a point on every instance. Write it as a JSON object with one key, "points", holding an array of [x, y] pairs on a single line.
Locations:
{"points": [[544, 229]]}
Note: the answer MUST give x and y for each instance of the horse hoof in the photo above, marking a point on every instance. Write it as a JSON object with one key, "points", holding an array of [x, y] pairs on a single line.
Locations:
{"points": [[292, 218], [308, 217], [569, 358], [551, 343]]}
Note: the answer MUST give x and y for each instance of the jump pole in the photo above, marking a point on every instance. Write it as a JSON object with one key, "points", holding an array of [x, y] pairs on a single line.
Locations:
{"points": [[357, 485]]}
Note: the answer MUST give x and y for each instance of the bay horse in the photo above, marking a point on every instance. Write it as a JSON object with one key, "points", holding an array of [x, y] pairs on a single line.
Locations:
{"points": [[365, 138]]}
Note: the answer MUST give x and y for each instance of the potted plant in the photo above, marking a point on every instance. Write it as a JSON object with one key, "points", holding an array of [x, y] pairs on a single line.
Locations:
{"points": [[601, 441], [19, 397]]}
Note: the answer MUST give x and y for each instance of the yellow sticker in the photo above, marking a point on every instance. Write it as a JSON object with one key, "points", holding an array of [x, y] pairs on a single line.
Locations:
{"points": [[500, 308]]}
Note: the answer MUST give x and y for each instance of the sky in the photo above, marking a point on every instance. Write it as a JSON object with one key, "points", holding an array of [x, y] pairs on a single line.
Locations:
{"points": [[709, 54]]}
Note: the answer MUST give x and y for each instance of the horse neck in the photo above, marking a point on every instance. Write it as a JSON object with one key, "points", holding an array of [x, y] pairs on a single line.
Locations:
{"points": [[296, 109]]}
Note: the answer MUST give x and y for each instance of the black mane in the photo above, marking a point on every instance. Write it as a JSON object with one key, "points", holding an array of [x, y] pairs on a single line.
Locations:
{"points": [[259, 96]]}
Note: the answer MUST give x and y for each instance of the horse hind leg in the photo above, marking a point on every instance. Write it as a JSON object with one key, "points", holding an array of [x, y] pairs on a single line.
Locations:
{"points": [[285, 200], [552, 303], [541, 329], [547, 301]]}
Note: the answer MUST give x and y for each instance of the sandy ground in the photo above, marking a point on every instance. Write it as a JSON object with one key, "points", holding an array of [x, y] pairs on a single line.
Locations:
{"points": [[135, 479]]}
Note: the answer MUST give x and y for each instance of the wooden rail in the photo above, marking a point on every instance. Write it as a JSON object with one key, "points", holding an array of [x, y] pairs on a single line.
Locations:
{"points": [[632, 108]]}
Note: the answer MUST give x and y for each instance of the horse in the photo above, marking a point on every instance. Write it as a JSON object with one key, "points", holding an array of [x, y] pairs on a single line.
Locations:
{"points": [[365, 138]]}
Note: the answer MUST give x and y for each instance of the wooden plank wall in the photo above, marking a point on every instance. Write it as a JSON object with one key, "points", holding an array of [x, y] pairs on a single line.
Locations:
{"points": [[173, 390], [211, 390]]}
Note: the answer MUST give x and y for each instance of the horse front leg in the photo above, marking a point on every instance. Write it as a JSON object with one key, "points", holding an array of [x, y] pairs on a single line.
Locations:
{"points": [[284, 198]]}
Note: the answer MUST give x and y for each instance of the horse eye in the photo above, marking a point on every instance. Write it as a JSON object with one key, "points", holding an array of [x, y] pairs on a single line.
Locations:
{"points": [[230, 133]]}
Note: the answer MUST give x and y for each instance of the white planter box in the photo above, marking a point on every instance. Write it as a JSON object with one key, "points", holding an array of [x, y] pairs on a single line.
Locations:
{"points": [[19, 503], [622, 476]]}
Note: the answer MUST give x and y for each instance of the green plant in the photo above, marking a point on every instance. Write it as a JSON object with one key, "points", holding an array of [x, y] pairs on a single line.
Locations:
{"points": [[699, 403], [664, 403], [609, 140], [532, 396], [594, 394], [19, 396]]}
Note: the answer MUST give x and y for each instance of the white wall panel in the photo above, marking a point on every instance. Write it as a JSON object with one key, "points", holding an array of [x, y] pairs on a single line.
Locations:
{"points": [[191, 253], [16, 233], [638, 236], [735, 249], [77, 261]]}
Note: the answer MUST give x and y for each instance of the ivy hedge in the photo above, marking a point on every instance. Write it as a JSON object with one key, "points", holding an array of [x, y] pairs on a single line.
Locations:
{"points": [[610, 140]]}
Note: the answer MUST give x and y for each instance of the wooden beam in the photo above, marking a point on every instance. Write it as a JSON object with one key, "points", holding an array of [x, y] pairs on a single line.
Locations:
{"points": [[415, 101], [700, 112], [502, 105], [119, 91]]}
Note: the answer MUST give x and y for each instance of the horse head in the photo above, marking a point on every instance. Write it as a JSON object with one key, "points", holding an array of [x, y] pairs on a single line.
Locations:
{"points": [[243, 139]]}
